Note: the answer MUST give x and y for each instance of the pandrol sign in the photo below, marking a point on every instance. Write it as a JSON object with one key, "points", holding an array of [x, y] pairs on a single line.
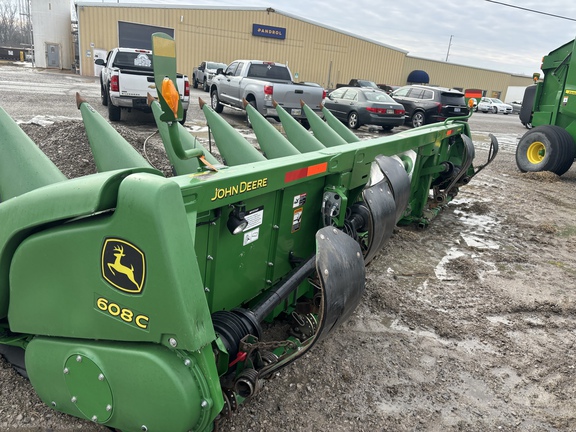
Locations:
{"points": [[268, 31]]}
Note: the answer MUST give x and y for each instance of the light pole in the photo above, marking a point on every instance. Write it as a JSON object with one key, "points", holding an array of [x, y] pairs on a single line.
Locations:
{"points": [[449, 45]]}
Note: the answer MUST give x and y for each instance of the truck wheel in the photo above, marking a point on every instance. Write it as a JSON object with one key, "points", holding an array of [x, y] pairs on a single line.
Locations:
{"points": [[113, 111], [353, 120], [418, 119], [183, 117], [103, 95], [215, 102], [194, 82], [545, 148], [205, 86]]}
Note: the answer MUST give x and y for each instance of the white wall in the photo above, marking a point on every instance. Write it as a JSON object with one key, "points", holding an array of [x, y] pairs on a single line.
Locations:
{"points": [[515, 93], [51, 24]]}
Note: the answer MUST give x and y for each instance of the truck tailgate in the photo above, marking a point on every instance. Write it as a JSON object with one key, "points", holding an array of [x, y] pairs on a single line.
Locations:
{"points": [[136, 84], [290, 95]]}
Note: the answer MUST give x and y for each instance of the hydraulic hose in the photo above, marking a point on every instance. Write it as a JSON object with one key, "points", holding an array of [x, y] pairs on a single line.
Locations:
{"points": [[284, 289]]}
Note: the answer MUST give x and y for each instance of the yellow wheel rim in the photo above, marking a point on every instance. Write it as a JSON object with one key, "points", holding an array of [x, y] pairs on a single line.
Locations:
{"points": [[536, 152]]}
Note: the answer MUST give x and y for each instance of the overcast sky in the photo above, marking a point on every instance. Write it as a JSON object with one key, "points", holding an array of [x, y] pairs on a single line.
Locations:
{"points": [[484, 34]]}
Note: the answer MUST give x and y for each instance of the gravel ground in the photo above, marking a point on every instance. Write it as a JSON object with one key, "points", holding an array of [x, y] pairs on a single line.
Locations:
{"points": [[468, 325]]}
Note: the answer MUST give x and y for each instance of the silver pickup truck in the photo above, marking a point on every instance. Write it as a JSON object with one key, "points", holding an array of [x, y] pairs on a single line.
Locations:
{"points": [[261, 83]]}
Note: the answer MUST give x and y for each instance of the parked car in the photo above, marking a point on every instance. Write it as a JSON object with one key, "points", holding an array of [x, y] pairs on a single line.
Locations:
{"points": [[388, 88], [494, 105], [474, 104], [357, 106], [516, 107], [203, 74], [355, 82], [426, 104]]}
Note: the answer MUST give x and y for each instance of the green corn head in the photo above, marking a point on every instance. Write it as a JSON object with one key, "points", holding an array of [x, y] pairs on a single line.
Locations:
{"points": [[138, 300]]}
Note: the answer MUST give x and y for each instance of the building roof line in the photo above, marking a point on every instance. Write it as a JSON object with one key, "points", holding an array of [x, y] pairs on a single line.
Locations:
{"points": [[230, 8], [468, 66]]}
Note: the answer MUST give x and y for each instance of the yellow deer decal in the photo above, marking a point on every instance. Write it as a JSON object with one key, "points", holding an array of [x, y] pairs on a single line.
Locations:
{"points": [[121, 268]]}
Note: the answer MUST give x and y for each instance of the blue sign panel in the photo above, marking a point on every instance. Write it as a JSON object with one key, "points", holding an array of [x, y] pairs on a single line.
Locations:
{"points": [[268, 31]]}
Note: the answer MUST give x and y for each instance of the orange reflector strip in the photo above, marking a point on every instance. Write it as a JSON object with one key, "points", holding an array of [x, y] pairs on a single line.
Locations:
{"points": [[449, 132], [305, 172]]}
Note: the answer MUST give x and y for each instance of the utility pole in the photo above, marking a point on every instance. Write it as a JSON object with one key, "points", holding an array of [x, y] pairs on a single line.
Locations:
{"points": [[449, 45]]}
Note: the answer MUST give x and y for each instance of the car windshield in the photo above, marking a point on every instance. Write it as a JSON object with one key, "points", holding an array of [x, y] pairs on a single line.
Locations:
{"points": [[215, 66], [497, 101], [377, 96]]}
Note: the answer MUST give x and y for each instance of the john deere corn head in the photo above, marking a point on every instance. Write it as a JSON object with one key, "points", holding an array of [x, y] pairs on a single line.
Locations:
{"points": [[139, 301]]}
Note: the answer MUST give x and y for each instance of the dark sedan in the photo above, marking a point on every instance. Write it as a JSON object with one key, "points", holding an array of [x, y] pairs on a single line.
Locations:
{"points": [[357, 106]]}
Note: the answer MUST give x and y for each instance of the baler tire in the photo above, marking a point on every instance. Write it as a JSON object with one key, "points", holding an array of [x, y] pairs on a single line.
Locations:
{"points": [[215, 102], [545, 148]]}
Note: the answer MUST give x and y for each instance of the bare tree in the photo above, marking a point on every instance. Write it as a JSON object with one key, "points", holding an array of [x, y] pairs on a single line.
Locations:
{"points": [[14, 27]]}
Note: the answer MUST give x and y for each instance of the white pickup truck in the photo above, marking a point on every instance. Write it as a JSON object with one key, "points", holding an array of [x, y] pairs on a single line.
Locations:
{"points": [[126, 78], [261, 83]]}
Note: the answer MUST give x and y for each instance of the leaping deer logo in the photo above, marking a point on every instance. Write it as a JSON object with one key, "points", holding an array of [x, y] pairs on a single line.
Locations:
{"points": [[121, 268], [123, 265]]}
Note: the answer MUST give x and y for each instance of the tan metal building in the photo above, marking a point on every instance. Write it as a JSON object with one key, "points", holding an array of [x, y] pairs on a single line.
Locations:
{"points": [[493, 83], [314, 52]]}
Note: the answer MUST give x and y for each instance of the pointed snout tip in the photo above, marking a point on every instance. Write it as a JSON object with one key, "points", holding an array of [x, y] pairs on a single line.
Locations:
{"points": [[79, 100]]}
